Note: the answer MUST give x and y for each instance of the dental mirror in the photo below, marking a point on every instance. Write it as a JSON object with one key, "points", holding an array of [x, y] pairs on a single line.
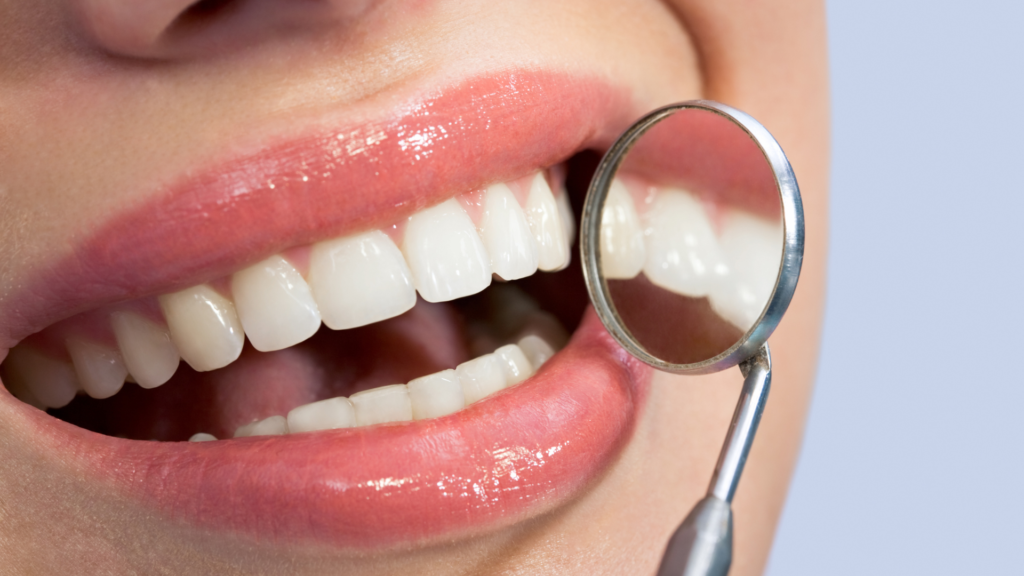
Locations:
{"points": [[691, 241]]}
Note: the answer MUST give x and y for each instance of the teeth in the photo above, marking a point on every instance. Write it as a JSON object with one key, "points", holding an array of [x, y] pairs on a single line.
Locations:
{"points": [[436, 395], [752, 248], [480, 377], [204, 327], [323, 415], [52, 382], [149, 354], [274, 304], [382, 405], [536, 350], [445, 254], [514, 363], [546, 223], [682, 251], [202, 437], [506, 235], [622, 241], [360, 280], [100, 369], [273, 426]]}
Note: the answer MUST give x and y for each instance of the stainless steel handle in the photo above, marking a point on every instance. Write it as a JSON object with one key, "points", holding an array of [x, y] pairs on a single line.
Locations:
{"points": [[702, 545]]}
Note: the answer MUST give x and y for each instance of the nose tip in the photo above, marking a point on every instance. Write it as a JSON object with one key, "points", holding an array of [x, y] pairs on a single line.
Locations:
{"points": [[129, 27]]}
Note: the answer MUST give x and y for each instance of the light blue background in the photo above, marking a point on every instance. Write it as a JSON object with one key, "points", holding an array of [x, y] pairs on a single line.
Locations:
{"points": [[913, 461]]}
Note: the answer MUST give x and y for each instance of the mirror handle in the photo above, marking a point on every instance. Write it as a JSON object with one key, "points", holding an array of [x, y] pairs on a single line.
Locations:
{"points": [[757, 372], [702, 545]]}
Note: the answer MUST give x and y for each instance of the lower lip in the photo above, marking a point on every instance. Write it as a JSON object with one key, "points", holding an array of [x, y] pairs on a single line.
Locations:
{"points": [[510, 457]]}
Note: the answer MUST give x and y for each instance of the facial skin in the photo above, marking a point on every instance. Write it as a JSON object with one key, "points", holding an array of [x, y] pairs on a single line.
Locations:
{"points": [[102, 101]]}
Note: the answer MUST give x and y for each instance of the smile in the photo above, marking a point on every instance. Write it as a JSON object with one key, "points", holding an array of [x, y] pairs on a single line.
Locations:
{"points": [[373, 322]]}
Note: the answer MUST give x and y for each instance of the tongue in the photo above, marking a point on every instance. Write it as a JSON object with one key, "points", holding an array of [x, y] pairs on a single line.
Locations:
{"points": [[427, 339]]}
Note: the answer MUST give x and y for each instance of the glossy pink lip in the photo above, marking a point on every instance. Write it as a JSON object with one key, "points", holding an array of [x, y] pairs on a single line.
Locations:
{"points": [[514, 455]]}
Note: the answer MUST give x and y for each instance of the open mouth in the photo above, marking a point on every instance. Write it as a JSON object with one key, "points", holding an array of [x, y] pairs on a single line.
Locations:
{"points": [[413, 321], [373, 336]]}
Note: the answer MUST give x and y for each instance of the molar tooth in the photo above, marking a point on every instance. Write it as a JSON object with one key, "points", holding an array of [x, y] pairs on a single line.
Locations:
{"points": [[752, 249], [480, 377], [274, 304], [272, 426], [360, 280], [548, 226], [682, 252], [204, 327], [326, 414], [506, 234], [514, 363], [381, 405], [100, 369], [445, 253], [50, 381], [149, 355], [436, 395], [536, 350], [622, 241], [202, 437]]}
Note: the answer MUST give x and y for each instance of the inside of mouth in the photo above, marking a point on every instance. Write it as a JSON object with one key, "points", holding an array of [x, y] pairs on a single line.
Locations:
{"points": [[429, 338]]}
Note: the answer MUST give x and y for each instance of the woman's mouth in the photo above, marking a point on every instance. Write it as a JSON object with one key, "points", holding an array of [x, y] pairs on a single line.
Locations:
{"points": [[365, 317], [364, 331]]}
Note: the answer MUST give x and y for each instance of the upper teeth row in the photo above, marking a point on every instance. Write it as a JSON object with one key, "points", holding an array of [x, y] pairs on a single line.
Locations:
{"points": [[348, 282], [668, 235], [431, 396]]}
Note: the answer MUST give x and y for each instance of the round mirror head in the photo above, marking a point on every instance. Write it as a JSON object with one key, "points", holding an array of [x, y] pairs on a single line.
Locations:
{"points": [[692, 237]]}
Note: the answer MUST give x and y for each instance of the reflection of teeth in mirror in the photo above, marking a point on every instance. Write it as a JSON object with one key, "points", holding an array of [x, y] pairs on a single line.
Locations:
{"points": [[622, 241], [752, 247], [682, 252]]}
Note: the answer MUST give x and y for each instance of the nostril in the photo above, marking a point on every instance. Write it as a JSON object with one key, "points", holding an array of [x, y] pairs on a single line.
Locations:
{"points": [[203, 12], [128, 27]]}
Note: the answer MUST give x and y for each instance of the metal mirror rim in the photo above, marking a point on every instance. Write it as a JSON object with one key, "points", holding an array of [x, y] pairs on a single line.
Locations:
{"points": [[793, 239]]}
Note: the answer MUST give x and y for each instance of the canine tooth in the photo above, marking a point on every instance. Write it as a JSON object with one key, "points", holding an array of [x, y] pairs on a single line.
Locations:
{"points": [[682, 252], [546, 223], [507, 235], [272, 426], [480, 377], [752, 248], [149, 355], [100, 369], [274, 304], [204, 327], [447, 258], [50, 381], [622, 241], [514, 363], [436, 395], [536, 350], [323, 415], [202, 437], [381, 405], [360, 280]]}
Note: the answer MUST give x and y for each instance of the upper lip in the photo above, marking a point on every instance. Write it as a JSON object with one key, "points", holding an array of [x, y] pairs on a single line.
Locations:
{"points": [[330, 182], [318, 182]]}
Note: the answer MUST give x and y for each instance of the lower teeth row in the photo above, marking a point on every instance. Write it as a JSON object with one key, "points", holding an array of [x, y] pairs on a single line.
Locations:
{"points": [[429, 396]]}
